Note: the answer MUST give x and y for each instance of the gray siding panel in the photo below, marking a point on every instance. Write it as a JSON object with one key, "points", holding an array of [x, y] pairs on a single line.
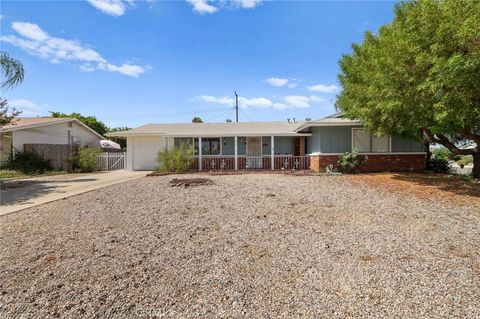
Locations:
{"points": [[402, 144]]}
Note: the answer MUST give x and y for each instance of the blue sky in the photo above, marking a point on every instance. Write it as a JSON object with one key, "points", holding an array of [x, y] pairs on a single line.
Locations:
{"points": [[135, 62]]}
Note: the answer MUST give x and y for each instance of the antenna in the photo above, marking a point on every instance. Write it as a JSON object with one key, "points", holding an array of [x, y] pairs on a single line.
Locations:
{"points": [[236, 106]]}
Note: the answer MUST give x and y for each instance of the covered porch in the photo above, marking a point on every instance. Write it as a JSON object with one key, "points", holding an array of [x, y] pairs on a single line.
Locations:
{"points": [[247, 152]]}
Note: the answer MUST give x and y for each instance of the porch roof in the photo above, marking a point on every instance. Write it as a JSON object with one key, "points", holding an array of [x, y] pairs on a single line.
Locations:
{"points": [[215, 129]]}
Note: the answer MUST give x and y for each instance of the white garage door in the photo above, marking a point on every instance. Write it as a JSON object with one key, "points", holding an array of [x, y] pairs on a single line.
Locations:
{"points": [[145, 153]]}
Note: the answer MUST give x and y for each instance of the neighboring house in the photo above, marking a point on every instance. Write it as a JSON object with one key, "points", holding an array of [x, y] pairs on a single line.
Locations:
{"points": [[44, 130], [288, 145]]}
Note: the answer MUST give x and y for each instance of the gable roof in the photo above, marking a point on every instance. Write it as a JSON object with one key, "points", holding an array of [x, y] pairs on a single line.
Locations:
{"points": [[21, 123], [214, 129]]}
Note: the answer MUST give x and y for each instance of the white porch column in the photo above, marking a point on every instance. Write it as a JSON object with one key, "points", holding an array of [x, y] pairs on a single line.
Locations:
{"points": [[236, 152], [272, 151], [199, 153]]}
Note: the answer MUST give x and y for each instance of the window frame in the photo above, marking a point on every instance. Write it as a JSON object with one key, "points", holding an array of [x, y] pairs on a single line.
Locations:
{"points": [[370, 141]]}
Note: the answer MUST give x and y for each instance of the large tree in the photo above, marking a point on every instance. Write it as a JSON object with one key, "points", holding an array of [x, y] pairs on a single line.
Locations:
{"points": [[421, 72], [12, 75], [91, 121]]}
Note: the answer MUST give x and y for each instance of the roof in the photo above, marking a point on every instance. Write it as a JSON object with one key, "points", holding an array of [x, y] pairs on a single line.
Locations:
{"points": [[21, 123], [215, 129], [336, 119]]}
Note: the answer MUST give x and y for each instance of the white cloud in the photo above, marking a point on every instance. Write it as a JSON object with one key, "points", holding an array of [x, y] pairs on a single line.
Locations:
{"points": [[297, 101], [323, 88], [289, 101], [224, 100], [255, 102], [280, 82], [210, 6], [30, 30], [112, 7], [247, 4], [27, 107], [202, 6], [292, 85], [37, 42]]}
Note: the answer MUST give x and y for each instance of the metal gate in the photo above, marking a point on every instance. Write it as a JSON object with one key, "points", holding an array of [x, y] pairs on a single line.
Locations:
{"points": [[111, 161]]}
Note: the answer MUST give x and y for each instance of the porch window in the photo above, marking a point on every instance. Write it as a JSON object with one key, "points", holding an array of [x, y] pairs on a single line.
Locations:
{"points": [[364, 142], [211, 146]]}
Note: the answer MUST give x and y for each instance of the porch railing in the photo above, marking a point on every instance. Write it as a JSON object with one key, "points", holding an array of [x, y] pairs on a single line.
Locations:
{"points": [[227, 163]]}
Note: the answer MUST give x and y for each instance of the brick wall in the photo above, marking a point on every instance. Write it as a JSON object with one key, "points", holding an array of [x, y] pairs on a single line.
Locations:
{"points": [[375, 163]]}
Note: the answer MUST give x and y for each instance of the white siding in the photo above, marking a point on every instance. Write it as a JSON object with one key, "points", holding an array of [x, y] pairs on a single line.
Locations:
{"points": [[53, 134]]}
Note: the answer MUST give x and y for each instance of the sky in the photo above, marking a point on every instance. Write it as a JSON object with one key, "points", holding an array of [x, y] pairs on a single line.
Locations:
{"points": [[131, 63]]}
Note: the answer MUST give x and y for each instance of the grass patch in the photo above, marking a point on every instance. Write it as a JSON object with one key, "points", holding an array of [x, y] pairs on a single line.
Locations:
{"points": [[13, 174]]}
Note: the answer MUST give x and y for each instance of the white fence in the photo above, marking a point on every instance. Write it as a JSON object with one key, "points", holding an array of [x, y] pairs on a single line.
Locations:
{"points": [[111, 161]]}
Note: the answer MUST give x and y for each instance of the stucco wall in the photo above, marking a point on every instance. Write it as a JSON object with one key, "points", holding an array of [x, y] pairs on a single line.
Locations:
{"points": [[53, 134]]}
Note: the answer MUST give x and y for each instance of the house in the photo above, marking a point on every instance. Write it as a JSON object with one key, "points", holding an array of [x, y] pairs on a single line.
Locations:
{"points": [[28, 132], [272, 145]]}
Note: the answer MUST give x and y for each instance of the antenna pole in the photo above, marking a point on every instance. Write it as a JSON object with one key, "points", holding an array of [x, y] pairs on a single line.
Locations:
{"points": [[236, 106]]}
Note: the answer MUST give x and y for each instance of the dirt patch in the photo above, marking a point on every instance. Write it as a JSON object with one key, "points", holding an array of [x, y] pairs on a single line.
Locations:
{"points": [[424, 186], [187, 182]]}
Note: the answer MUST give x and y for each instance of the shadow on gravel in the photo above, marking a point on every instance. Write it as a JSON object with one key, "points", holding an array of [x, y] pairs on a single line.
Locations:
{"points": [[20, 192], [446, 183]]}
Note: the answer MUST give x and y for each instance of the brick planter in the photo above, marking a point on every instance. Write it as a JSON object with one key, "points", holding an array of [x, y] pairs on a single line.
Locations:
{"points": [[375, 162]]}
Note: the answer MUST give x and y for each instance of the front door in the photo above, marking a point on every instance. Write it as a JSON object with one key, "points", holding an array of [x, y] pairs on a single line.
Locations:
{"points": [[254, 153]]}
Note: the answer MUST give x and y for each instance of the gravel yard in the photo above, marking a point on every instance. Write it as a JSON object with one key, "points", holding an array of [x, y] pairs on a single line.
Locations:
{"points": [[246, 246]]}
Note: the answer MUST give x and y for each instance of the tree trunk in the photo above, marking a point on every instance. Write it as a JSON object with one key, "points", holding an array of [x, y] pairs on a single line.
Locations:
{"points": [[426, 147], [476, 165]]}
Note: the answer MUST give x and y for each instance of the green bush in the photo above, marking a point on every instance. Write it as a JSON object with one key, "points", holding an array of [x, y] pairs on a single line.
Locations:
{"points": [[465, 160], [443, 153], [29, 163], [85, 160], [177, 159], [349, 161], [439, 165]]}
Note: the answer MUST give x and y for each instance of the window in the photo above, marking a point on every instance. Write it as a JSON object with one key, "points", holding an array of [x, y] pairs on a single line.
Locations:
{"points": [[211, 146], [364, 142]]}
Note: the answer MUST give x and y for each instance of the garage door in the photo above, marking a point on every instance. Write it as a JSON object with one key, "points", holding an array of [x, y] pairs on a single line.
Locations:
{"points": [[145, 153]]}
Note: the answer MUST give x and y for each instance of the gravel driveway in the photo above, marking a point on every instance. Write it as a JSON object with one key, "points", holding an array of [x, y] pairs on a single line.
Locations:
{"points": [[247, 246]]}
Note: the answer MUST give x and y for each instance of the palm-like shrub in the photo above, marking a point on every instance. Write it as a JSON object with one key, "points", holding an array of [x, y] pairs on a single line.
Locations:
{"points": [[177, 159]]}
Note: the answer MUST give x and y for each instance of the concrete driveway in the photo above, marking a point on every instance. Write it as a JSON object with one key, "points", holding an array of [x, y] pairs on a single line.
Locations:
{"points": [[20, 194]]}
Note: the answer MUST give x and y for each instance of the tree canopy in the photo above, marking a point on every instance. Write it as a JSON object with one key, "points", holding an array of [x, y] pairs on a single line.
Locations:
{"points": [[197, 119], [421, 72], [12, 75], [91, 121]]}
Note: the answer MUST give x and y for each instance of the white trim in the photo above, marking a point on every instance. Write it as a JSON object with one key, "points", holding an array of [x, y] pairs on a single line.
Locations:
{"points": [[388, 153], [272, 152], [200, 153], [317, 124], [236, 152]]}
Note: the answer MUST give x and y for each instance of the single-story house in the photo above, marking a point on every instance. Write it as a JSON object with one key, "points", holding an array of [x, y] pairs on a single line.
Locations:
{"points": [[272, 145], [25, 132]]}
